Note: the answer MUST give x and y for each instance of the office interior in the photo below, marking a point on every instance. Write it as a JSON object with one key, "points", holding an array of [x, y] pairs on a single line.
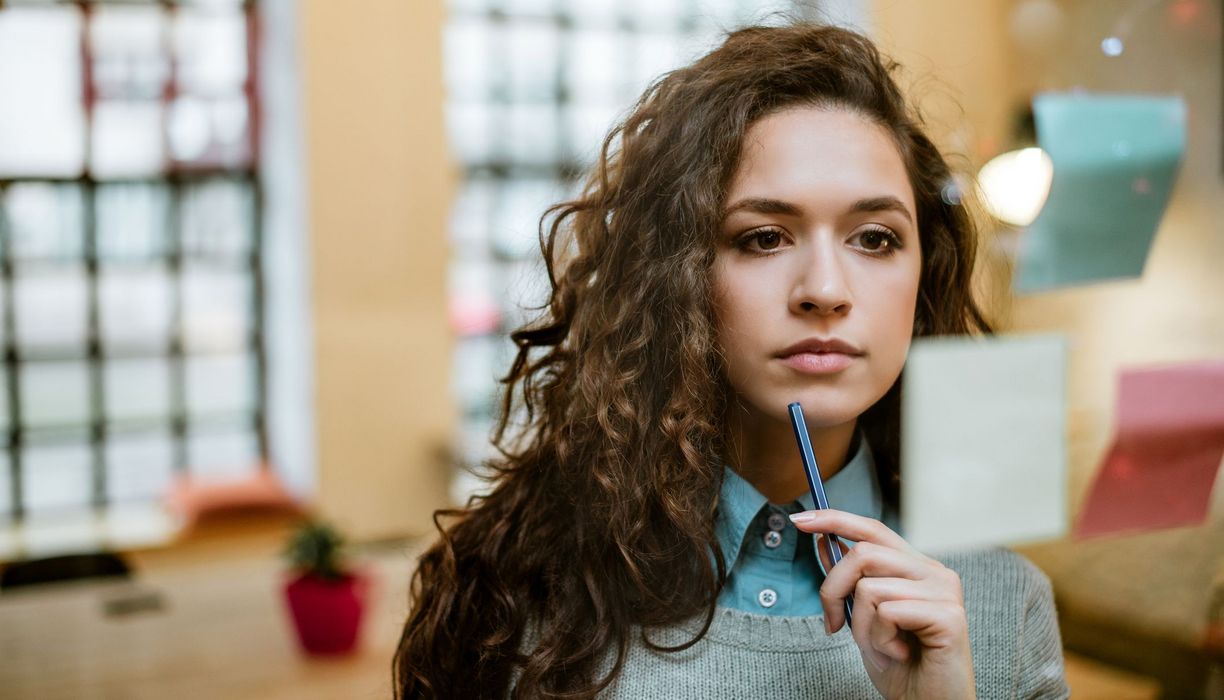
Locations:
{"points": [[259, 260]]}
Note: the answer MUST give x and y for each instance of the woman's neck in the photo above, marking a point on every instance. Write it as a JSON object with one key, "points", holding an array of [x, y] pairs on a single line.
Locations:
{"points": [[763, 451]]}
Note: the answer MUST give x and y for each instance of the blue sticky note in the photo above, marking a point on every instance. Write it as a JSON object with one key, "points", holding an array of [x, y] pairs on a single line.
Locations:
{"points": [[1115, 159]]}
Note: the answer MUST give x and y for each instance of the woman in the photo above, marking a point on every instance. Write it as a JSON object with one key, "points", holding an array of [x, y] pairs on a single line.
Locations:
{"points": [[766, 226]]}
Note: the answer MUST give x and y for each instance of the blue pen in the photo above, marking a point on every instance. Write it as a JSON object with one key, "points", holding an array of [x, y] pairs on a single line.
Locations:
{"points": [[832, 543]]}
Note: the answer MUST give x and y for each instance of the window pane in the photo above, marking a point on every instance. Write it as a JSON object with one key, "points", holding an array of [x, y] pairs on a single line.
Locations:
{"points": [[128, 138], [56, 476], [515, 233], [137, 388], [211, 51], [128, 62], [471, 215], [220, 384], [139, 467], [534, 54], [217, 220], [45, 221], [40, 70], [54, 394], [472, 132], [217, 309], [533, 134], [131, 222], [468, 59], [51, 307], [135, 308], [226, 453]]}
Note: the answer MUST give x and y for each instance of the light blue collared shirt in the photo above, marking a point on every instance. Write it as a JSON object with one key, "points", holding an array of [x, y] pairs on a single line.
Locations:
{"points": [[772, 566]]}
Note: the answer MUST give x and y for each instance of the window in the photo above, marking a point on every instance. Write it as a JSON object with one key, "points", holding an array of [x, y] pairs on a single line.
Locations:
{"points": [[130, 257], [533, 86]]}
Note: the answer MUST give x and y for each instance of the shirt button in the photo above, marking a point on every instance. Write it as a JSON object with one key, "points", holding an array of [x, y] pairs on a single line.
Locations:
{"points": [[767, 597], [773, 538], [776, 521]]}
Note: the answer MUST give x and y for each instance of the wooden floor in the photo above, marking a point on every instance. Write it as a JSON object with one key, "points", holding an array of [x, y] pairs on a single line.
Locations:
{"points": [[208, 621]]}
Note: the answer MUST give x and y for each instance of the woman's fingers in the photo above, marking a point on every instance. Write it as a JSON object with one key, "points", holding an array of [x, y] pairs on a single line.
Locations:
{"points": [[853, 527], [865, 560]]}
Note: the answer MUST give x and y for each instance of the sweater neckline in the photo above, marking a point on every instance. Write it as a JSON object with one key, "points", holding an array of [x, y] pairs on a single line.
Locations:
{"points": [[737, 628]]}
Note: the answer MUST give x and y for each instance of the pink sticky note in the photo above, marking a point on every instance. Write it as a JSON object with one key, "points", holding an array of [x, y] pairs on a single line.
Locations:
{"points": [[1166, 453]]}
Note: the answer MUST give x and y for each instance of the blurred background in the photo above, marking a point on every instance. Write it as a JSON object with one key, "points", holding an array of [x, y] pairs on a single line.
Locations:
{"points": [[261, 258]]}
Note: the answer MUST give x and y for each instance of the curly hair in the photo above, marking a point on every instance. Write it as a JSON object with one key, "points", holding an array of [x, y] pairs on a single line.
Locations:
{"points": [[600, 523]]}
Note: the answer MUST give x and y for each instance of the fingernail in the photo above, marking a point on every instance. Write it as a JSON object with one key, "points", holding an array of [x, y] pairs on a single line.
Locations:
{"points": [[804, 517]]}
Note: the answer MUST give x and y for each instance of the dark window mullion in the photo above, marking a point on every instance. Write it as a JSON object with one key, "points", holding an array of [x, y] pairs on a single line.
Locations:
{"points": [[178, 369], [256, 334], [94, 352], [12, 375]]}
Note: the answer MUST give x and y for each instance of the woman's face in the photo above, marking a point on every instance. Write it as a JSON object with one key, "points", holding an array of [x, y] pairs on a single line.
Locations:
{"points": [[817, 266]]}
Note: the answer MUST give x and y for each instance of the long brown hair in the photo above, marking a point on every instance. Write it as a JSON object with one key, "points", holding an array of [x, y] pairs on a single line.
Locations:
{"points": [[600, 524]]}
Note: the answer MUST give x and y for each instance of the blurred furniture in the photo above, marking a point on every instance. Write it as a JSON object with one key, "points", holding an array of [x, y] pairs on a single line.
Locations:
{"points": [[68, 567], [1151, 603], [208, 622]]}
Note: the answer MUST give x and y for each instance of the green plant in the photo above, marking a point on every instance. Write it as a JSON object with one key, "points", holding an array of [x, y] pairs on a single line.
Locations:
{"points": [[314, 548]]}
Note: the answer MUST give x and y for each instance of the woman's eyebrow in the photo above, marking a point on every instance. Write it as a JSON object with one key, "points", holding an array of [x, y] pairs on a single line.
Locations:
{"points": [[762, 205], [885, 203], [766, 205]]}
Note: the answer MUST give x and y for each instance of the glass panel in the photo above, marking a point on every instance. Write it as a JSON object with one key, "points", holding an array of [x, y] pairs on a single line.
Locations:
{"points": [[658, 15], [45, 221], [471, 215], [474, 381], [128, 61], [594, 13], [656, 54], [135, 308], [216, 220], [131, 222], [526, 288], [225, 453], [40, 69], [535, 8], [472, 132], [139, 467], [533, 58], [516, 228], [56, 476], [138, 388], [469, 60], [594, 74], [128, 139], [220, 384], [211, 51], [54, 394], [51, 307], [533, 134], [217, 309], [587, 125]]}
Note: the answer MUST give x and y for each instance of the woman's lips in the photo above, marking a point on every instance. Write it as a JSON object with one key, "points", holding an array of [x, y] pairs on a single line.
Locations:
{"points": [[818, 362]]}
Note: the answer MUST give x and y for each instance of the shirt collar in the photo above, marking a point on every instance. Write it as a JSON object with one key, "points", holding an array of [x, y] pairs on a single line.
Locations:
{"points": [[854, 489]]}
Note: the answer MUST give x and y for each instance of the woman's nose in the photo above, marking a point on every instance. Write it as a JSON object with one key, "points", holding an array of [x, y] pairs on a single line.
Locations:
{"points": [[820, 284]]}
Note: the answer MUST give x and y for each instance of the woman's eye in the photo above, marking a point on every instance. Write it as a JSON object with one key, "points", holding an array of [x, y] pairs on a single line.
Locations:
{"points": [[762, 241], [768, 240], [876, 240]]}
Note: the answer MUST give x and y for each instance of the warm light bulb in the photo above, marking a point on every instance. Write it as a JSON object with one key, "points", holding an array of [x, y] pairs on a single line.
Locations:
{"points": [[1014, 185]]}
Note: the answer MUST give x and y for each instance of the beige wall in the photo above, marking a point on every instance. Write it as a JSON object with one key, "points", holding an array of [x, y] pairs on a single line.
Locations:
{"points": [[378, 188], [963, 49]]}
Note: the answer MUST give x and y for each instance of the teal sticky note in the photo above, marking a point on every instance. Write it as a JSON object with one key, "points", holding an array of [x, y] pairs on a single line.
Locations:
{"points": [[1115, 159]]}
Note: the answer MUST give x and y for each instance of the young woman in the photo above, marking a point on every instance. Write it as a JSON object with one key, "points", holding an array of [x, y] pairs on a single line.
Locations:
{"points": [[766, 226]]}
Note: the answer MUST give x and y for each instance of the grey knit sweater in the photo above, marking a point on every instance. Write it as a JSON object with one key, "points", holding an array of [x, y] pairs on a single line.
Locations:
{"points": [[1013, 633]]}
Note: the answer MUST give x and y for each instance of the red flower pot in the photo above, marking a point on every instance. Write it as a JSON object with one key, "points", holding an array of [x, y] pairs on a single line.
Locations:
{"points": [[327, 614]]}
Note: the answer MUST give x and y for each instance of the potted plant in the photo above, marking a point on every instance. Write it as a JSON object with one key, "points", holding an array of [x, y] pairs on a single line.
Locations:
{"points": [[325, 598]]}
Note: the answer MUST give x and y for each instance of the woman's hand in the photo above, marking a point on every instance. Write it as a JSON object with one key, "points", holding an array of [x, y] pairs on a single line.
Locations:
{"points": [[909, 614]]}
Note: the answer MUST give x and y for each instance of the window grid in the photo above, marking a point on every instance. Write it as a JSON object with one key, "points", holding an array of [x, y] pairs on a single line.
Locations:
{"points": [[533, 86], [178, 184]]}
